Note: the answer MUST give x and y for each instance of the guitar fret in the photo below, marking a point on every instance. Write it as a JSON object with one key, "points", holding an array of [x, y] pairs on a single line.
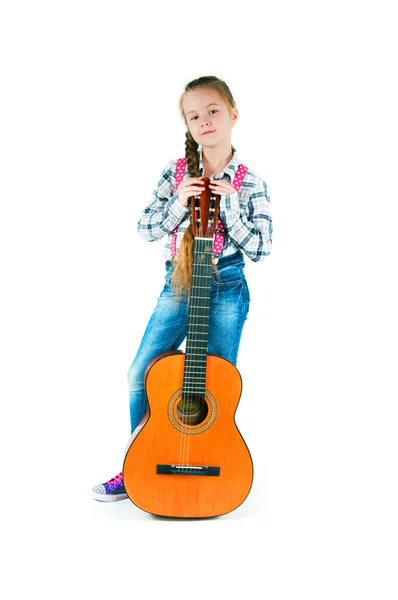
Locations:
{"points": [[195, 360], [195, 375], [190, 377], [199, 333], [193, 317], [192, 360], [197, 345], [203, 287]]}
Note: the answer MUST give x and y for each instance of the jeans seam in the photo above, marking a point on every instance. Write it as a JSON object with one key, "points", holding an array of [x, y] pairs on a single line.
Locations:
{"points": [[239, 328], [177, 334]]}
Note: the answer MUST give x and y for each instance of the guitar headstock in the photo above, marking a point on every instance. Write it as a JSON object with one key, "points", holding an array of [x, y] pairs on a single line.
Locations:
{"points": [[205, 212]]}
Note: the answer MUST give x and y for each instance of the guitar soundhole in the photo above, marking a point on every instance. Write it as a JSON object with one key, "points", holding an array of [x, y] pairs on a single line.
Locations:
{"points": [[192, 410], [193, 415]]}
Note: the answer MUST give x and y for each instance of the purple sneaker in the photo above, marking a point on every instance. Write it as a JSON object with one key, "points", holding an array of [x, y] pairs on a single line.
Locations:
{"points": [[110, 490]]}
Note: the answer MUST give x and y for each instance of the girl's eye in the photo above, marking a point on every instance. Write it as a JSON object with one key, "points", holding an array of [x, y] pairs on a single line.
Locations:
{"points": [[212, 110]]}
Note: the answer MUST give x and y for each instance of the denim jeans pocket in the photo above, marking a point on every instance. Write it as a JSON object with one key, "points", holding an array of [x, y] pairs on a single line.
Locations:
{"points": [[229, 277]]}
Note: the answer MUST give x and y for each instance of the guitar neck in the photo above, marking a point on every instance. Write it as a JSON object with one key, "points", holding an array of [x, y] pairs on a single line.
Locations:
{"points": [[194, 382]]}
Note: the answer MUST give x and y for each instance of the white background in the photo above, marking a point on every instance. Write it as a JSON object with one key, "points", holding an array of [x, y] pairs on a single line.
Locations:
{"points": [[89, 119]]}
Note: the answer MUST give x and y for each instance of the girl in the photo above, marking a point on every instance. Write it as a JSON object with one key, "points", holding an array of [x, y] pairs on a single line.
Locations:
{"points": [[209, 113]]}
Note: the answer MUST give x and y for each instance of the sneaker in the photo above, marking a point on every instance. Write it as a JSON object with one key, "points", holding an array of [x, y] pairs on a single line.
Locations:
{"points": [[110, 490]]}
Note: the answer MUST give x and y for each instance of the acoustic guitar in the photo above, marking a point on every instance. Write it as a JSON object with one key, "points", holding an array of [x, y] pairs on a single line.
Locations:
{"points": [[187, 457]]}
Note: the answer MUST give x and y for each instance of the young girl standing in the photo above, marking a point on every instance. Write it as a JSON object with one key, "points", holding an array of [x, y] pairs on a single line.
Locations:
{"points": [[209, 113]]}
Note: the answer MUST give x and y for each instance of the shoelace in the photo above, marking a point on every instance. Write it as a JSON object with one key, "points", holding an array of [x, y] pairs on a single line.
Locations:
{"points": [[115, 481]]}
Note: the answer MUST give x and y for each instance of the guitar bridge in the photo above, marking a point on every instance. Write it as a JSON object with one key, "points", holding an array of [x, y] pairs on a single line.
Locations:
{"points": [[188, 470]]}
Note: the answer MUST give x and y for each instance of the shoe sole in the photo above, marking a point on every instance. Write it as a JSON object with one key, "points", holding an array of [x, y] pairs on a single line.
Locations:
{"points": [[109, 497]]}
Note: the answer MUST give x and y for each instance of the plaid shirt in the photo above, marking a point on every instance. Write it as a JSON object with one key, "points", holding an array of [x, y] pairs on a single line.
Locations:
{"points": [[245, 214]]}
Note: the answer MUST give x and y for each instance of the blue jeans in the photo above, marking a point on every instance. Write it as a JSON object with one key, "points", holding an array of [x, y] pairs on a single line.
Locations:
{"points": [[167, 327]]}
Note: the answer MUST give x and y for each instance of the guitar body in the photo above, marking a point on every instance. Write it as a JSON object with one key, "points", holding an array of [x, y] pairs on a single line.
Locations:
{"points": [[176, 469]]}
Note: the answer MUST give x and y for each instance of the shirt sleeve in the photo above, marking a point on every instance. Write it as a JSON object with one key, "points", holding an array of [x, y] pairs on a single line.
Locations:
{"points": [[164, 212], [250, 226]]}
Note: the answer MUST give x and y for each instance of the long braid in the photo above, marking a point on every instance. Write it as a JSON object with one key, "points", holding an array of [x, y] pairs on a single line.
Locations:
{"points": [[182, 275]]}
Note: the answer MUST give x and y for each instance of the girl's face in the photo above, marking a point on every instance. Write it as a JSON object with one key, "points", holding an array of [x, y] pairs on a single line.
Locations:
{"points": [[206, 111]]}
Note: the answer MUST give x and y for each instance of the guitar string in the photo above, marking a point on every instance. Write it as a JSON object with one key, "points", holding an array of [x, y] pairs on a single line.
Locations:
{"points": [[201, 304], [183, 435], [196, 351], [192, 371], [198, 311]]}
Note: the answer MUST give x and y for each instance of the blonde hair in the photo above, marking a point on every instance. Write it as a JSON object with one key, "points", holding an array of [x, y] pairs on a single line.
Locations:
{"points": [[182, 274]]}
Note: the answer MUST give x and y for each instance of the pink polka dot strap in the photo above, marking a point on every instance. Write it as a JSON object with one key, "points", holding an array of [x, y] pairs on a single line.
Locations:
{"points": [[218, 242], [180, 171]]}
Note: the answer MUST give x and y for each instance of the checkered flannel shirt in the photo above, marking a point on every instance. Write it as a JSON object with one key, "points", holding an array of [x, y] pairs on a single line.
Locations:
{"points": [[245, 214]]}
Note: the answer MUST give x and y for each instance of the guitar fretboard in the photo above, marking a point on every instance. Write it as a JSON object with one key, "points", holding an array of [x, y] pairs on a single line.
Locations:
{"points": [[194, 382]]}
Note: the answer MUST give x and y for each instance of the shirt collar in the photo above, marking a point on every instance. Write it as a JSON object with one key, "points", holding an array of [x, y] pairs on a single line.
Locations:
{"points": [[229, 170]]}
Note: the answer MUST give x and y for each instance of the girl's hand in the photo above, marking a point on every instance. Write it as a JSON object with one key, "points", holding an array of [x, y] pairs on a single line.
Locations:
{"points": [[193, 186], [221, 187]]}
